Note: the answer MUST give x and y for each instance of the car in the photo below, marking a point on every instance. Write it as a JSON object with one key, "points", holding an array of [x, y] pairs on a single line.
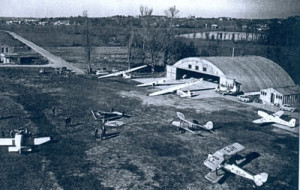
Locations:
{"points": [[287, 107], [243, 98]]}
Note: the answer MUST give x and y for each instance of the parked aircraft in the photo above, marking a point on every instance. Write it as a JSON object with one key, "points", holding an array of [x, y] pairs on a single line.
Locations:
{"points": [[176, 88], [219, 164], [112, 115], [274, 118], [186, 125], [155, 83], [22, 142], [124, 73]]}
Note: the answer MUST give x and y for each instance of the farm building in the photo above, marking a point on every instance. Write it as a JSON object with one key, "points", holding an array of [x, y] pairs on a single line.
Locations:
{"points": [[248, 73], [279, 96]]}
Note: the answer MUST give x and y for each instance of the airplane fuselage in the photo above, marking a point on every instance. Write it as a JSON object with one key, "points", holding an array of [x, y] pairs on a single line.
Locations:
{"points": [[238, 171]]}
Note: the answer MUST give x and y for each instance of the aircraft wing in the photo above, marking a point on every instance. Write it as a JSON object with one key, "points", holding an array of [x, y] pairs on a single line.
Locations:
{"points": [[41, 140], [213, 161], [7, 141], [175, 88], [187, 129], [135, 68], [121, 72], [111, 75], [278, 114], [232, 149], [260, 121], [153, 83], [213, 177]]}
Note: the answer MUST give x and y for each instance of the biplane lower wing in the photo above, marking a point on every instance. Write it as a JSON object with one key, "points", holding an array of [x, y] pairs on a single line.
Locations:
{"points": [[214, 177]]}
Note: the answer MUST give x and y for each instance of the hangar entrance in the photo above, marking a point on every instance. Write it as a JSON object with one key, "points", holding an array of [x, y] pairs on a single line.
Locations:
{"points": [[192, 74]]}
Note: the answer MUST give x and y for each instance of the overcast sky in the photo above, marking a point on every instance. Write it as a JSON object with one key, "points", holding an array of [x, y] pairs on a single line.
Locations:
{"points": [[198, 8]]}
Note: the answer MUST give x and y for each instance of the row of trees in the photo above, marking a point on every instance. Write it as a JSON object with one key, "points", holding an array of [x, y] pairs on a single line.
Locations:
{"points": [[152, 43]]}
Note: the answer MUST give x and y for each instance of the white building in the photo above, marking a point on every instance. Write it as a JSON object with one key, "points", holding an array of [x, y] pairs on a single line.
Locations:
{"points": [[279, 96]]}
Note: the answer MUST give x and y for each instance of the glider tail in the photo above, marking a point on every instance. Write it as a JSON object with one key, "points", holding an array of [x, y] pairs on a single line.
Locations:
{"points": [[292, 122], [260, 179]]}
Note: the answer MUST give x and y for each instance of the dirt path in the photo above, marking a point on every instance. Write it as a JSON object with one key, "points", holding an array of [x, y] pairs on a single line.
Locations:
{"points": [[53, 59]]}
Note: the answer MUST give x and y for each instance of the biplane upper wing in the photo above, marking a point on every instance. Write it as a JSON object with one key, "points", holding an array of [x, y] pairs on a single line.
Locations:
{"points": [[213, 161], [7, 141], [278, 114], [232, 149]]}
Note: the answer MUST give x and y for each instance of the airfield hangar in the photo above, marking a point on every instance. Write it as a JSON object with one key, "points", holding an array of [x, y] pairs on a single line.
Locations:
{"points": [[249, 73]]}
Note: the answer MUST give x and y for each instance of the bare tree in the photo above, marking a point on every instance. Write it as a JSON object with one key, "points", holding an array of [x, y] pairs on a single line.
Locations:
{"points": [[171, 13], [87, 36], [145, 14], [130, 41]]}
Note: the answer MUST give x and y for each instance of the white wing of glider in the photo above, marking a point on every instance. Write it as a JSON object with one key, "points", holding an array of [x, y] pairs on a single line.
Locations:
{"points": [[278, 114], [175, 88], [153, 83], [123, 72], [260, 121]]}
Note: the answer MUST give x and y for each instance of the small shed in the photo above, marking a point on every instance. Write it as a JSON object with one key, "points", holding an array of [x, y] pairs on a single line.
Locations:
{"points": [[279, 96]]}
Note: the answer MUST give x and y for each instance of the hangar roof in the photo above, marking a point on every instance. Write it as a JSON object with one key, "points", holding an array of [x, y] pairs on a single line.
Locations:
{"points": [[253, 72]]}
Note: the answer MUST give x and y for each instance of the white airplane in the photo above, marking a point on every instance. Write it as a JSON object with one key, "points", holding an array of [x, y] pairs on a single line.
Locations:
{"points": [[153, 83], [177, 89], [124, 73], [217, 162], [274, 118], [186, 125], [21, 142]]}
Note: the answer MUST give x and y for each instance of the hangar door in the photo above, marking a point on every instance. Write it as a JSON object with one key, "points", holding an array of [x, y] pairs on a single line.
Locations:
{"points": [[192, 74]]}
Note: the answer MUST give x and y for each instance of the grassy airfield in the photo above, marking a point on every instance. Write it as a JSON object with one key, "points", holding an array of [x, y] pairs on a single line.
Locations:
{"points": [[148, 153]]}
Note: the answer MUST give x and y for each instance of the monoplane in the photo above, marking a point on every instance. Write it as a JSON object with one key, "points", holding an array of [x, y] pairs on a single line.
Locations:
{"points": [[274, 118]]}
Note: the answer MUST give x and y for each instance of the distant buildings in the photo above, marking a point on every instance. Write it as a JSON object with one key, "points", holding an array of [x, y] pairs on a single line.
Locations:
{"points": [[9, 56], [225, 35]]}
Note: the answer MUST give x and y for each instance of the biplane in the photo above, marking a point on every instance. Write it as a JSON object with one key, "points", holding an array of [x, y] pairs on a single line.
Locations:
{"points": [[190, 126], [220, 162], [21, 141]]}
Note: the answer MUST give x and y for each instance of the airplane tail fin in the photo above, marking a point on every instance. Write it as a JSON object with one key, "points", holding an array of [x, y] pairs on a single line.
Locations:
{"points": [[260, 179], [292, 122], [209, 125]]}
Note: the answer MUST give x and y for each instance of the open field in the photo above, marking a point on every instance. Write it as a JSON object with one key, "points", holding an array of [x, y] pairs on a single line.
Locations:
{"points": [[148, 153]]}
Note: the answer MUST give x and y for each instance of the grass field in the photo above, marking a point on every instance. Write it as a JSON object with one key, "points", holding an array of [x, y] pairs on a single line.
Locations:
{"points": [[147, 154]]}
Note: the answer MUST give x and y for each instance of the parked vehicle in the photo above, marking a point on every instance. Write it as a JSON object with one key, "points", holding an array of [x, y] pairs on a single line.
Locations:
{"points": [[287, 107], [244, 98]]}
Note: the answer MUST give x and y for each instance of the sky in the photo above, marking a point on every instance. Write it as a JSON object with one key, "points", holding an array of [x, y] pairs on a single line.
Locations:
{"points": [[103, 8]]}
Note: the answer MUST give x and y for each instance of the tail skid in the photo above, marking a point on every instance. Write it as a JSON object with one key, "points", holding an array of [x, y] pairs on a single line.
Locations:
{"points": [[260, 179]]}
